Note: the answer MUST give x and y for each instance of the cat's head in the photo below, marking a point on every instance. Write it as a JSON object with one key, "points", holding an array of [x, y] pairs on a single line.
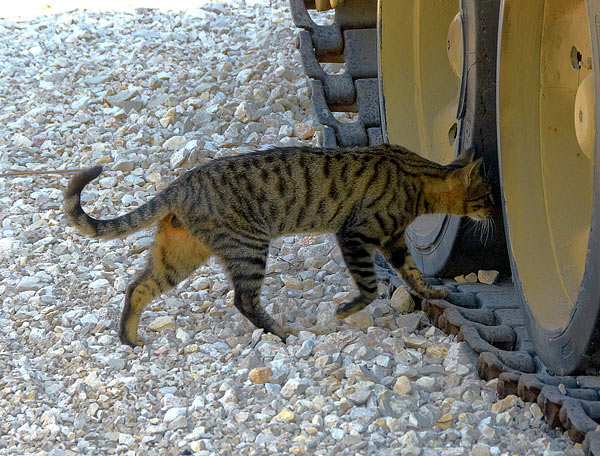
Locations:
{"points": [[478, 199]]}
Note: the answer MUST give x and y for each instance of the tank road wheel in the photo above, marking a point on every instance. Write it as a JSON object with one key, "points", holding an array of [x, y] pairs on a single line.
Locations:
{"points": [[439, 104], [548, 73]]}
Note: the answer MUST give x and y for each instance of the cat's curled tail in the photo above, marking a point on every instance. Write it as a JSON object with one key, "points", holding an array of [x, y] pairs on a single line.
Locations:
{"points": [[141, 217]]}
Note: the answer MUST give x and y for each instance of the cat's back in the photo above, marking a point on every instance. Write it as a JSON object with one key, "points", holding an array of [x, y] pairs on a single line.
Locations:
{"points": [[268, 167]]}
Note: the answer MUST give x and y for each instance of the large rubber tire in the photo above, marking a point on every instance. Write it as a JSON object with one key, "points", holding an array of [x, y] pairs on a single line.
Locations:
{"points": [[550, 170], [439, 113]]}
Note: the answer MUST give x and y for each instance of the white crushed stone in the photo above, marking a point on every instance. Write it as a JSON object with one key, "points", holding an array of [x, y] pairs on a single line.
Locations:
{"points": [[150, 94]]}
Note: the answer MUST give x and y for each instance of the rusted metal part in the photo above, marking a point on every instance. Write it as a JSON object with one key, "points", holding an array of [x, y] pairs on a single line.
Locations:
{"points": [[508, 383], [529, 387], [489, 366], [550, 401], [577, 416]]}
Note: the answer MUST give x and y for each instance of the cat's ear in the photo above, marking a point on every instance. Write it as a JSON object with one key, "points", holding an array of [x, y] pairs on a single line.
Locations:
{"points": [[467, 172], [463, 159]]}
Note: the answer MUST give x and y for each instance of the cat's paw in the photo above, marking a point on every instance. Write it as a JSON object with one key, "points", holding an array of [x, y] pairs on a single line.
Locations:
{"points": [[346, 309], [442, 293], [284, 333], [433, 293], [136, 342]]}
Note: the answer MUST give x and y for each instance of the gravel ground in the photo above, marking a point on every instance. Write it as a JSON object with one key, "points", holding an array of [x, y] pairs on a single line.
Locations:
{"points": [[150, 94]]}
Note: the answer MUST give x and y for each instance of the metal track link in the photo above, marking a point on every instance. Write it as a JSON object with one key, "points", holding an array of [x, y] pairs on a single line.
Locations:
{"points": [[488, 318], [351, 39]]}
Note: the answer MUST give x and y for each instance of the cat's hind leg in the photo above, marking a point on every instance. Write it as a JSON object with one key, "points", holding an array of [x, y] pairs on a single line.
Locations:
{"points": [[175, 255], [358, 256], [246, 263], [396, 253]]}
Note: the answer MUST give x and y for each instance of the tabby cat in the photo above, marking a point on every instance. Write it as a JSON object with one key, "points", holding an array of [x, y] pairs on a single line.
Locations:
{"points": [[232, 207]]}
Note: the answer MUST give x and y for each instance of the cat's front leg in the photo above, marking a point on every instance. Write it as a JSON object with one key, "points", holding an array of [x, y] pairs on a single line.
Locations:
{"points": [[396, 253], [413, 278]]}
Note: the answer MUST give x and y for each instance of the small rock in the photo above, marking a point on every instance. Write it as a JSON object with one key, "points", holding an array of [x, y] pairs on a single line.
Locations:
{"points": [[383, 361], [471, 278], [99, 284], [402, 301], [480, 450], [201, 117], [178, 158], [303, 131], [242, 417], [488, 277], [108, 182], [437, 351], [89, 319], [22, 141], [535, 410], [316, 250], [161, 323], [446, 421], [251, 361], [342, 296], [360, 397], [244, 75], [409, 439], [415, 341], [410, 322], [125, 166], [29, 283], [509, 401], [260, 375], [246, 111], [182, 335], [169, 118], [121, 97], [360, 320], [285, 415], [174, 142], [403, 386], [286, 131], [306, 349], [292, 282], [489, 432], [174, 413], [337, 433], [293, 386], [426, 383], [273, 388], [298, 449]]}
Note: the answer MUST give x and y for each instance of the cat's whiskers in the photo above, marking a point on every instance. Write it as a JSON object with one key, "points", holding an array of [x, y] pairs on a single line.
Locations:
{"points": [[485, 228], [473, 226], [488, 227]]}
